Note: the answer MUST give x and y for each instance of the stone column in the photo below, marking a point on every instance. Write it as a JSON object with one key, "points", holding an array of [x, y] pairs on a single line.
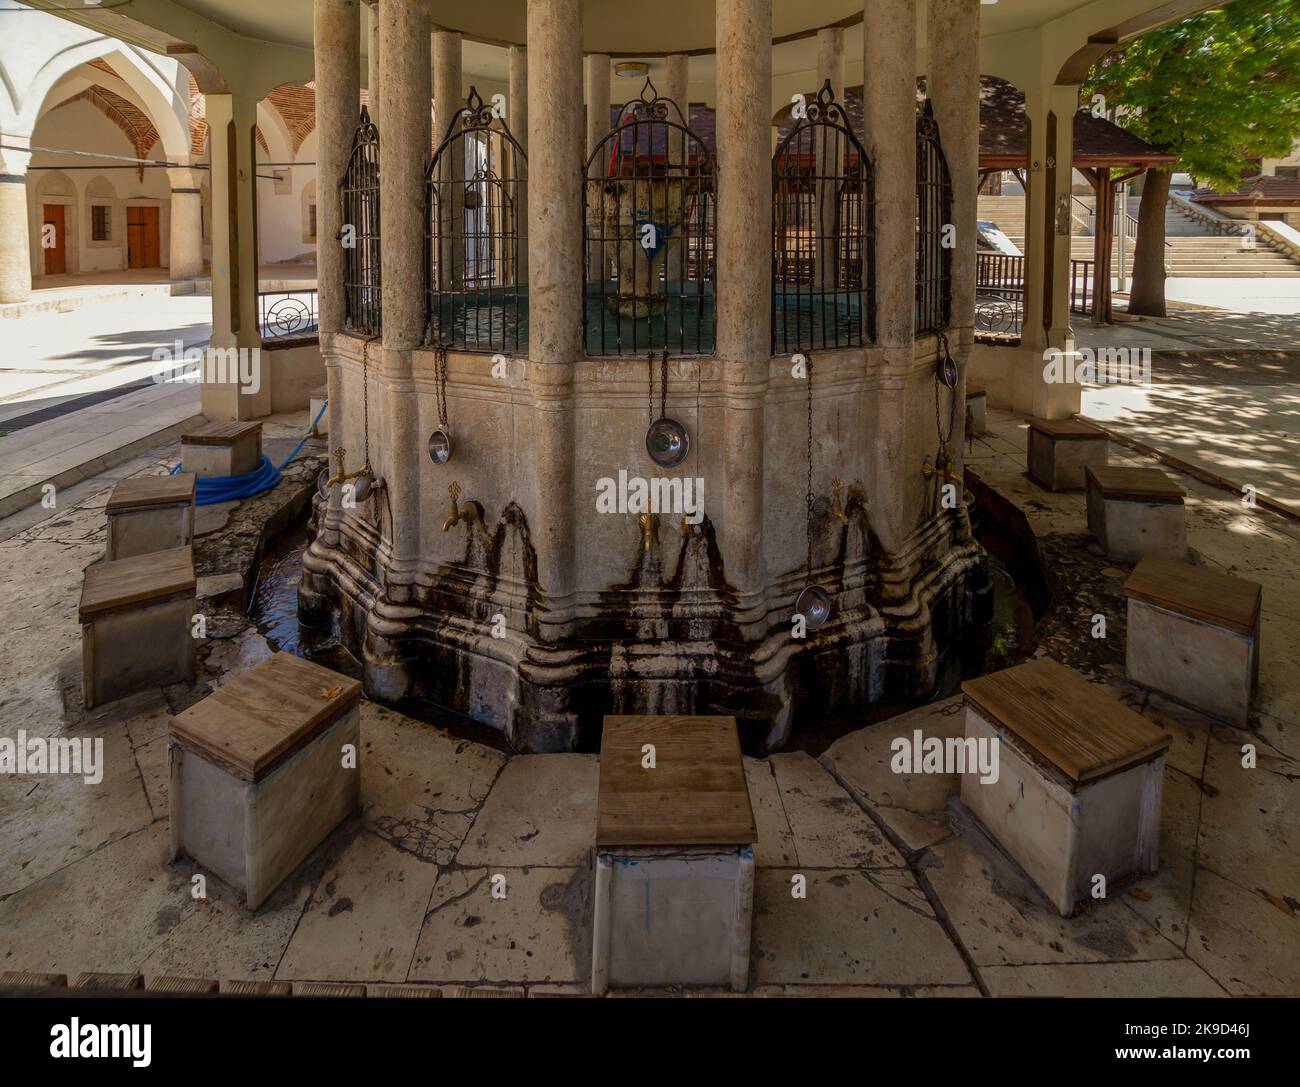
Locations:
{"points": [[448, 98], [15, 227], [744, 287], [555, 288], [678, 89], [953, 84], [1049, 112], [373, 59], [337, 40], [185, 242], [517, 119], [598, 104], [889, 74], [829, 154], [405, 90], [232, 121]]}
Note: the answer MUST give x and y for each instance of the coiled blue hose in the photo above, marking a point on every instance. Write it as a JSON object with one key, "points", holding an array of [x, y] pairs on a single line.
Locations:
{"points": [[209, 490]]}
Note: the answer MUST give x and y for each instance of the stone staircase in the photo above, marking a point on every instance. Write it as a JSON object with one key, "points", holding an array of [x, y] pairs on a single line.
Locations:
{"points": [[1193, 249]]}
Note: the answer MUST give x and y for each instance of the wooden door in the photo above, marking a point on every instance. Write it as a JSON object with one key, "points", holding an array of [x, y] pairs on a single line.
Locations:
{"points": [[142, 238], [55, 254]]}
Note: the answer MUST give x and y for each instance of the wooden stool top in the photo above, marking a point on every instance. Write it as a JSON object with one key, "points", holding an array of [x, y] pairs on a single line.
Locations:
{"points": [[1075, 725], [143, 491], [262, 716], [220, 433], [1142, 484], [1073, 429], [109, 981], [1196, 592], [975, 390], [152, 576], [695, 795]]}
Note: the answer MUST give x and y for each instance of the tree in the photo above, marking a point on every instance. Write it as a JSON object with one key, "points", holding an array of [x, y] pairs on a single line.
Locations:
{"points": [[1218, 90]]}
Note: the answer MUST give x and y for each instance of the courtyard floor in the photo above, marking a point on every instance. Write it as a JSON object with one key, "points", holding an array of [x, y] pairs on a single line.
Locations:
{"points": [[906, 896]]}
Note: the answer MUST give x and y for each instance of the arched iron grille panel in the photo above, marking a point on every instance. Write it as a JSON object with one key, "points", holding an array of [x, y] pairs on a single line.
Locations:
{"points": [[823, 233], [475, 187], [359, 195], [933, 213], [648, 222]]}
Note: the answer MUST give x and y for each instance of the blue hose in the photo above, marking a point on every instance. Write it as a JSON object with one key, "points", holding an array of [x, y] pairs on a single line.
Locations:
{"points": [[209, 490]]}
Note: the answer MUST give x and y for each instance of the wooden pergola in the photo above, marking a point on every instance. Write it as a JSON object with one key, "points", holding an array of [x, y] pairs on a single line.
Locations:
{"points": [[1104, 153]]}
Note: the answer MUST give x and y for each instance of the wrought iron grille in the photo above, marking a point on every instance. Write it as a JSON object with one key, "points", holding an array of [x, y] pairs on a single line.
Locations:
{"points": [[823, 233], [648, 224], [359, 195], [476, 298], [933, 214]]}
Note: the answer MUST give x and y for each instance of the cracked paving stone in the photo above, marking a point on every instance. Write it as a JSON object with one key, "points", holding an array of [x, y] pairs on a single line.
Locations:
{"points": [[1248, 944], [1170, 977], [775, 843]]}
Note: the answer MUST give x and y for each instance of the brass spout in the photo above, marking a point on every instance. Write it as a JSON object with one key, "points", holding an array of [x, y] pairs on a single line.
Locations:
{"points": [[470, 513], [649, 523], [836, 508], [945, 467]]}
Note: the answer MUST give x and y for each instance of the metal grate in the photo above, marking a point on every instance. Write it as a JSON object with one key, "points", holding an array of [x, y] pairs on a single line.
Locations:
{"points": [[475, 189], [648, 222], [359, 233], [823, 224], [933, 215]]}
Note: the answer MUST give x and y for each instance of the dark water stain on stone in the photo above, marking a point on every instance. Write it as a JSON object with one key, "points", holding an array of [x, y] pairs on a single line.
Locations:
{"points": [[343, 905], [573, 900]]}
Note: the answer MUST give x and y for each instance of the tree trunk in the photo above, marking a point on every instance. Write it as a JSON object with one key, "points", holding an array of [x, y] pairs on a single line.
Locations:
{"points": [[1147, 294]]}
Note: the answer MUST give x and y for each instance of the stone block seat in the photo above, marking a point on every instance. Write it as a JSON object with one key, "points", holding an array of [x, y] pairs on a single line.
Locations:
{"points": [[260, 774], [1135, 512], [318, 397], [1080, 776], [150, 513], [1193, 635], [1060, 449], [674, 855], [977, 410], [222, 449], [136, 615]]}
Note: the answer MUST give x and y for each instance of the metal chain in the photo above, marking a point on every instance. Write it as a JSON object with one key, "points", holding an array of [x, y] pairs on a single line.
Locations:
{"points": [[663, 386], [365, 399], [944, 440], [440, 376], [650, 386], [808, 498]]}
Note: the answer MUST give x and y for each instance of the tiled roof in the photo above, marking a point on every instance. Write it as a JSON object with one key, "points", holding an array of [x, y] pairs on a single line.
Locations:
{"points": [[1263, 189]]}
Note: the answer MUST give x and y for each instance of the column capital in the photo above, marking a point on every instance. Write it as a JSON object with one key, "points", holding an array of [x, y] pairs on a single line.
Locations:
{"points": [[15, 154]]}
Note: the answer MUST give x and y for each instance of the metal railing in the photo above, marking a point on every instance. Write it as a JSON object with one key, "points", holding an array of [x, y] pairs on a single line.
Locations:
{"points": [[1000, 278], [288, 313]]}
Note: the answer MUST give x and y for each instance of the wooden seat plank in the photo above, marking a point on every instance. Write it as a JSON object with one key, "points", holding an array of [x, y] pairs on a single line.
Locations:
{"points": [[137, 579], [142, 491], [261, 717], [1196, 592], [695, 795], [1067, 428], [219, 433], [1141, 484], [1075, 725]]}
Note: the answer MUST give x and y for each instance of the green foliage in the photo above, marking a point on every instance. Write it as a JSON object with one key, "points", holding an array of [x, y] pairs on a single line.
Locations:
{"points": [[1217, 89]]}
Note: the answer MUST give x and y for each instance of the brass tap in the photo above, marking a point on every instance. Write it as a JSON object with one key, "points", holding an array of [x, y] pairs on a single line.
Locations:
{"points": [[342, 475], [470, 513], [649, 523], [946, 466], [836, 508]]}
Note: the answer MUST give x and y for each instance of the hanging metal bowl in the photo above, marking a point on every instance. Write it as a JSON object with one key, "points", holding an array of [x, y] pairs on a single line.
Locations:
{"points": [[814, 604], [948, 371], [440, 446], [362, 486], [667, 442]]}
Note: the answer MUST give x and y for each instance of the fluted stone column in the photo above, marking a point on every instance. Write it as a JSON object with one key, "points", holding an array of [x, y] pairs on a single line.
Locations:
{"points": [[889, 94], [744, 288], [337, 41], [830, 67], [555, 142], [448, 98], [598, 95], [15, 236], [405, 89], [232, 122], [185, 241], [517, 119], [374, 60]]}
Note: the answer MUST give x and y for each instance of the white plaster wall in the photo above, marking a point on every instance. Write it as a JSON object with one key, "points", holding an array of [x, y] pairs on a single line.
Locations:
{"points": [[81, 126], [281, 215]]}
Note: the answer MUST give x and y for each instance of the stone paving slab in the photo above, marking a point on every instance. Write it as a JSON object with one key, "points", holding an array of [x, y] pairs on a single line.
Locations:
{"points": [[537, 932], [775, 845], [1170, 977], [854, 928]]}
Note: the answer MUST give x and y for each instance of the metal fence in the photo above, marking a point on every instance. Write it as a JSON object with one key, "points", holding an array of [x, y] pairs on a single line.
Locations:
{"points": [[1000, 290], [359, 193], [933, 218], [287, 313]]}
